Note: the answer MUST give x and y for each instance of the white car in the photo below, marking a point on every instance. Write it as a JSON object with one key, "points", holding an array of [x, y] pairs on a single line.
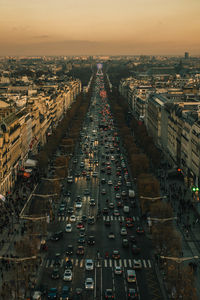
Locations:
{"points": [[118, 270], [110, 182], [68, 228], [89, 284], [78, 204], [137, 264], [123, 231], [72, 218], [67, 275], [89, 264]]}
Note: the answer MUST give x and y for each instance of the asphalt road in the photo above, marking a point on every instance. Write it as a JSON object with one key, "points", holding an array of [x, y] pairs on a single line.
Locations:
{"points": [[98, 150]]}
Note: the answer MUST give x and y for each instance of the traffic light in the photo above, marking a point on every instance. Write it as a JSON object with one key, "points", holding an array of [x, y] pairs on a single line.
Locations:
{"points": [[195, 189]]}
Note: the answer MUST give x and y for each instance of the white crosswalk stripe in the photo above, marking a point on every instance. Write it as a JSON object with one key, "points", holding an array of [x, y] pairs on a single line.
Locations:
{"points": [[144, 263], [130, 263], [122, 218], [125, 264], [149, 263], [106, 263], [110, 263], [111, 218]]}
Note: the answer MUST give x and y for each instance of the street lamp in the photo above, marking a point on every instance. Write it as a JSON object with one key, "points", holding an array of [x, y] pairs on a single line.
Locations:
{"points": [[179, 260], [161, 220], [153, 199]]}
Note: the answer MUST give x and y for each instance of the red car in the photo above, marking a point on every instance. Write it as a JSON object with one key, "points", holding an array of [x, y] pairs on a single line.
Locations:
{"points": [[80, 225]]}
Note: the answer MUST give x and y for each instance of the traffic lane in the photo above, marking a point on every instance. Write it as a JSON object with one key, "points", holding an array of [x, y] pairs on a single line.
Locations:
{"points": [[107, 280], [120, 285], [142, 283]]}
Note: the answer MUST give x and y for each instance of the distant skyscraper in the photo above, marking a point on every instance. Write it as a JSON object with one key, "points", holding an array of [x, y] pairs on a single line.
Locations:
{"points": [[186, 55]]}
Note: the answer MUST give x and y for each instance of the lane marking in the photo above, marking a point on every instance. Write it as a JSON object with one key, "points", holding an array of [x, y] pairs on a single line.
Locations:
{"points": [[144, 263]]}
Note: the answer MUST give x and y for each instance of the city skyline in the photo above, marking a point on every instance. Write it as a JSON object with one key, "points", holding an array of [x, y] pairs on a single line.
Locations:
{"points": [[89, 27]]}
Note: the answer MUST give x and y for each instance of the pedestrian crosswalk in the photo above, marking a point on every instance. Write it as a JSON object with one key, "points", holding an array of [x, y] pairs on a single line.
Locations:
{"points": [[104, 263], [109, 218]]}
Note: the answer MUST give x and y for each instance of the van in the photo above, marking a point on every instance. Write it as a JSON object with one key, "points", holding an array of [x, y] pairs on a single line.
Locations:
{"points": [[126, 209], [131, 276]]}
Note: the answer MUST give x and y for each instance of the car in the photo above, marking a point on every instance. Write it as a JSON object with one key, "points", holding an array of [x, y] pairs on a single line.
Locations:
{"points": [[79, 225], [81, 240], [91, 240], [125, 243], [78, 204], [118, 270], [110, 182], [84, 218], [65, 293], [129, 224], [57, 260], [69, 250], [128, 184], [56, 236], [68, 264], [103, 180], [91, 220], [68, 228], [52, 293], [111, 235], [118, 196], [67, 276], [123, 231], [55, 274], [140, 230], [120, 204], [111, 205], [109, 294], [103, 191], [80, 250], [116, 254], [105, 211], [70, 210], [137, 264], [89, 264], [94, 174], [132, 239], [92, 202], [86, 192], [89, 283], [107, 222], [135, 249], [124, 193], [116, 212], [132, 294], [116, 188], [72, 218], [70, 179]]}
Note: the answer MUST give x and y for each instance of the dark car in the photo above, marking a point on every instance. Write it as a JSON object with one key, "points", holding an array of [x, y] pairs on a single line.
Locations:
{"points": [[84, 218], [125, 243], [132, 294], [105, 211], [68, 264], [109, 294], [91, 220], [139, 230], [52, 293], [135, 249], [56, 236], [69, 250], [107, 222], [65, 293], [80, 250], [91, 240], [55, 274], [115, 254]]}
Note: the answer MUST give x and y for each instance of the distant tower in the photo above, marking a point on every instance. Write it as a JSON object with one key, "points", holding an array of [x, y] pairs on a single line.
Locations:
{"points": [[186, 55]]}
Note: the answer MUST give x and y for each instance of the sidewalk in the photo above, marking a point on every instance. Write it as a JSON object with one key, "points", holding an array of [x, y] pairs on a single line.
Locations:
{"points": [[187, 223]]}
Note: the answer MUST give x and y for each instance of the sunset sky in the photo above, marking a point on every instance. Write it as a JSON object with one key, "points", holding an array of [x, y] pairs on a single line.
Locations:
{"points": [[99, 27]]}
